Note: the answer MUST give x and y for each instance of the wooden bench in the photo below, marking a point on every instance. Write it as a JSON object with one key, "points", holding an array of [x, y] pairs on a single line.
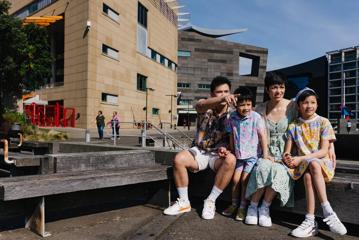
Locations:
{"points": [[69, 175]]}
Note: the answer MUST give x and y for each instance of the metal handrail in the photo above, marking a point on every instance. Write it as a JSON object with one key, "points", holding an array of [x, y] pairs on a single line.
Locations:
{"points": [[6, 152], [169, 136], [183, 133]]}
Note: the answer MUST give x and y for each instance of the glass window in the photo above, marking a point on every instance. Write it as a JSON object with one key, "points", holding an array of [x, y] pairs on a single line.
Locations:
{"points": [[334, 99], [183, 85], [334, 107], [349, 65], [109, 51], [142, 15], [350, 82], [153, 54], [350, 55], [185, 102], [110, 12], [33, 7], [109, 98], [204, 86], [350, 90], [184, 53], [335, 68], [349, 74], [334, 115], [337, 75], [336, 58], [162, 60], [155, 111], [141, 82], [350, 98], [335, 91], [142, 37], [337, 83]]}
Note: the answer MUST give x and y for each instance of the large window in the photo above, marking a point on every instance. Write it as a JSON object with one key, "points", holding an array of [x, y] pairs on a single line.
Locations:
{"points": [[142, 15], [33, 7], [155, 111], [109, 98], [141, 82], [184, 53], [204, 86], [110, 12], [183, 85], [109, 51]]}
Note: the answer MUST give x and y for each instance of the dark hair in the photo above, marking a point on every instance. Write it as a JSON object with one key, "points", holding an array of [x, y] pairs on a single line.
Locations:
{"points": [[273, 78], [100, 111], [305, 94], [219, 80], [245, 94]]}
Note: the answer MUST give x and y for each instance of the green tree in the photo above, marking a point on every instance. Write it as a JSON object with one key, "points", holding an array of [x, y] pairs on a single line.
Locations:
{"points": [[25, 60]]}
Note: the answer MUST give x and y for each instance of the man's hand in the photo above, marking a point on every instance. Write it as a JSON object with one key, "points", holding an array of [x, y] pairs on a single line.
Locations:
{"points": [[223, 152], [287, 158], [231, 99]]}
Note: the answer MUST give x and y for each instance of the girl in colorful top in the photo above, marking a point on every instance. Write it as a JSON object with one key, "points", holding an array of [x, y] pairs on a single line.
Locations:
{"points": [[312, 135], [248, 138]]}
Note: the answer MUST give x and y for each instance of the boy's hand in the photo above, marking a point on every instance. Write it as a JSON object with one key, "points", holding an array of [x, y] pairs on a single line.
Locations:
{"points": [[222, 152]]}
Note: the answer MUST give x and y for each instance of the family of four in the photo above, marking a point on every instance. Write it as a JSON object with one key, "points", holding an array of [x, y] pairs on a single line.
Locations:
{"points": [[262, 151]]}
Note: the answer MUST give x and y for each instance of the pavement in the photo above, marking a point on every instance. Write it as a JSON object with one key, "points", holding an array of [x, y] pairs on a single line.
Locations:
{"points": [[148, 222]]}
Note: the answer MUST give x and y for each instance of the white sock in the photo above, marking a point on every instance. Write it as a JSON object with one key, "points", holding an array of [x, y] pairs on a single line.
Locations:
{"points": [[327, 209], [214, 193], [310, 217], [254, 204], [183, 193], [243, 204], [266, 204], [235, 202]]}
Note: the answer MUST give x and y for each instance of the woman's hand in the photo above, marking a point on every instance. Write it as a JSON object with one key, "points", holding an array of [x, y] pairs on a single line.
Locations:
{"points": [[295, 162], [222, 152], [268, 157]]}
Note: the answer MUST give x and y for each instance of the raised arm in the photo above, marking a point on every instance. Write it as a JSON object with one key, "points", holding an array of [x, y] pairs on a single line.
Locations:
{"points": [[204, 104]]}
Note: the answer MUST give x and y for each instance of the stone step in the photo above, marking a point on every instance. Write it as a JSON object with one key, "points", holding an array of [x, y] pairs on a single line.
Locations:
{"points": [[88, 161]]}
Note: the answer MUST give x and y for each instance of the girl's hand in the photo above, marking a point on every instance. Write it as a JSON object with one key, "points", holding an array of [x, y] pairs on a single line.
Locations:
{"points": [[295, 162], [223, 152], [287, 159], [332, 156], [268, 157]]}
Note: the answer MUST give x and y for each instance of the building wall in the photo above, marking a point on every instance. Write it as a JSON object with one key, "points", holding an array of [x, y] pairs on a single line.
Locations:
{"points": [[211, 57], [88, 72], [343, 61]]}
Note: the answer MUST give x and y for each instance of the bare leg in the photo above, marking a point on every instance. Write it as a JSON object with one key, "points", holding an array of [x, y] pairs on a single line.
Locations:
{"points": [[183, 161], [224, 168], [318, 180], [309, 193], [269, 194], [258, 195], [236, 185]]}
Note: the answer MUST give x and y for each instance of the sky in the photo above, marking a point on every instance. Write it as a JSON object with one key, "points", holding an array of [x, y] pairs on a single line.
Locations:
{"points": [[294, 31]]}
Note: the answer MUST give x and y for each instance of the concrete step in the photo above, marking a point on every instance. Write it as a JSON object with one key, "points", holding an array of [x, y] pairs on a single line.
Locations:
{"points": [[88, 161]]}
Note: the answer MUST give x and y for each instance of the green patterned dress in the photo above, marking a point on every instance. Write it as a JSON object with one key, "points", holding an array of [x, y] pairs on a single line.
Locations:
{"points": [[274, 174]]}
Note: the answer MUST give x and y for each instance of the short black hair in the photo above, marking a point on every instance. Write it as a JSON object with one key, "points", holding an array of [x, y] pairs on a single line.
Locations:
{"points": [[219, 80], [273, 78], [245, 94], [100, 111], [305, 94]]}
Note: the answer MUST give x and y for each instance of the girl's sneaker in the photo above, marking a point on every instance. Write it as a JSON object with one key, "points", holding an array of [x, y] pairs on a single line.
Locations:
{"points": [[241, 214], [335, 225], [308, 228], [230, 210]]}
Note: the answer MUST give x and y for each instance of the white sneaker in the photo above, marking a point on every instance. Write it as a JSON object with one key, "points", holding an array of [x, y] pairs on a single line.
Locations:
{"points": [[308, 228], [209, 209], [264, 217], [252, 216], [335, 225], [180, 206]]}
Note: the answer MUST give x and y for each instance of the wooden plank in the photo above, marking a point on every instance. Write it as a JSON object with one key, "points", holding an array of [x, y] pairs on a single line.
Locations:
{"points": [[44, 185]]}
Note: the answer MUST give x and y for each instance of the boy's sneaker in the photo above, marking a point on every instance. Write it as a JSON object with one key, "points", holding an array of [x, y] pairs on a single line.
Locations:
{"points": [[264, 217], [241, 214], [252, 216], [335, 225], [180, 206], [230, 210], [308, 228], [209, 209]]}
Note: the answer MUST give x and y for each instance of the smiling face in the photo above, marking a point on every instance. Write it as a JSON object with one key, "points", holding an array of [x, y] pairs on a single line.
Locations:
{"points": [[308, 107], [276, 92], [244, 108]]}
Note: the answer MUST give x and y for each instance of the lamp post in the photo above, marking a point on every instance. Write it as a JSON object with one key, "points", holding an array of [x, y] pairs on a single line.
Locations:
{"points": [[171, 96], [144, 135], [188, 124]]}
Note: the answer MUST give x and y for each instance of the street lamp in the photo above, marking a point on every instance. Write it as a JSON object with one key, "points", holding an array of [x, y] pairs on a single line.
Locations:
{"points": [[144, 135], [171, 96]]}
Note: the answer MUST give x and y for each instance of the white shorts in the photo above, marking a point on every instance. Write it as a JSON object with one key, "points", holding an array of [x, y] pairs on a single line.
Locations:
{"points": [[203, 158]]}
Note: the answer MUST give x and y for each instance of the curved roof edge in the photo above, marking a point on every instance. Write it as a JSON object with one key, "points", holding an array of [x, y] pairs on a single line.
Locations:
{"points": [[211, 32]]}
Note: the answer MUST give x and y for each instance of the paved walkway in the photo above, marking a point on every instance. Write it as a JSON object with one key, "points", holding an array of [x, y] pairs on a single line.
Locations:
{"points": [[146, 222]]}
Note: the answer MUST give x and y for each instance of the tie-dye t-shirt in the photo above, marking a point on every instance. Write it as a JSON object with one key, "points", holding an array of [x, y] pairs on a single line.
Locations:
{"points": [[307, 134], [245, 134]]}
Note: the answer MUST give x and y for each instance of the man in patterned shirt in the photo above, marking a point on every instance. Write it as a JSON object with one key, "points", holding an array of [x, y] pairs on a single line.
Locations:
{"points": [[206, 152]]}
